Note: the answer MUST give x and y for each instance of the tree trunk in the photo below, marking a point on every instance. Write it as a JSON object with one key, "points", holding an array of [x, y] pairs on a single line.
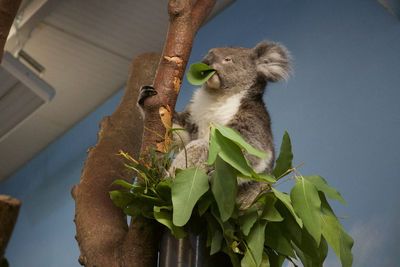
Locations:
{"points": [[8, 11], [102, 231], [102, 227], [9, 209]]}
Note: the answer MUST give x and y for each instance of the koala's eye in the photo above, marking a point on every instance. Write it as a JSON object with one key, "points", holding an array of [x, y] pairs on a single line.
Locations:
{"points": [[227, 59]]}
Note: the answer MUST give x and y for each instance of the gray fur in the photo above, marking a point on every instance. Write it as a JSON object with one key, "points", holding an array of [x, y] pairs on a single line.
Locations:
{"points": [[241, 77]]}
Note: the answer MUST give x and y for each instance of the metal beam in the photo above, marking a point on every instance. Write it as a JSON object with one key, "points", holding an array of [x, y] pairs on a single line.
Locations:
{"points": [[26, 21], [27, 77]]}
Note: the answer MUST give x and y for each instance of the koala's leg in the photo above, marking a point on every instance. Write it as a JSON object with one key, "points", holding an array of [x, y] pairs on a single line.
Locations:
{"points": [[195, 154]]}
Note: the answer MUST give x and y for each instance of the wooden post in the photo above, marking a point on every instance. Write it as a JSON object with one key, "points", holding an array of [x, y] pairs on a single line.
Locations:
{"points": [[9, 209]]}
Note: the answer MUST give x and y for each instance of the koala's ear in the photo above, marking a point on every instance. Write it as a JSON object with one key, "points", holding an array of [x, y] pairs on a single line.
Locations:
{"points": [[272, 61]]}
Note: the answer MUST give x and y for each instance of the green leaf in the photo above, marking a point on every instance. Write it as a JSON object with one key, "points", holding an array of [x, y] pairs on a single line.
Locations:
{"points": [[247, 221], [214, 147], [216, 242], [322, 186], [270, 213], [292, 230], [304, 258], [306, 203], [233, 155], [164, 216], [199, 73], [125, 184], [234, 257], [323, 250], [234, 136], [285, 199], [121, 198], [284, 161], [302, 242], [139, 208], [224, 188], [263, 177], [308, 252], [275, 239], [163, 188], [275, 260], [146, 198], [255, 245], [335, 235], [189, 185], [204, 202], [227, 227], [212, 227], [259, 177]]}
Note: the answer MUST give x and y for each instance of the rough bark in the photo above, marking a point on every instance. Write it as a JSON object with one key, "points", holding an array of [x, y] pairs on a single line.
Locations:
{"points": [[9, 209], [102, 232], [102, 227], [185, 19], [8, 11]]}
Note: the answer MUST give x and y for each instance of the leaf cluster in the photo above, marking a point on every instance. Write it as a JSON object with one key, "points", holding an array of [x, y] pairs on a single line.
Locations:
{"points": [[278, 226], [140, 198]]}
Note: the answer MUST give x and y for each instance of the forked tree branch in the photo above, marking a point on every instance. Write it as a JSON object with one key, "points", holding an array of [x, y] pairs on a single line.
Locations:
{"points": [[102, 232], [185, 19], [102, 227]]}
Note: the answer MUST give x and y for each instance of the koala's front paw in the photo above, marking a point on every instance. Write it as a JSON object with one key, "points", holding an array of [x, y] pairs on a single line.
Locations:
{"points": [[145, 92]]}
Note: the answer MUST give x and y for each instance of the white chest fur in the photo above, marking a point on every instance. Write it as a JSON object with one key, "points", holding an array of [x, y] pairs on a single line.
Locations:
{"points": [[207, 108]]}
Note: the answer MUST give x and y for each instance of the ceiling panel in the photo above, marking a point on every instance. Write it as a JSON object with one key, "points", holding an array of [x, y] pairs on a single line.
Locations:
{"points": [[7, 81], [16, 105], [108, 26], [80, 72], [85, 48]]}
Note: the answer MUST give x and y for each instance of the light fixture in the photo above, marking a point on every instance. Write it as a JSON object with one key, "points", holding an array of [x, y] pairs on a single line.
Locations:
{"points": [[22, 92]]}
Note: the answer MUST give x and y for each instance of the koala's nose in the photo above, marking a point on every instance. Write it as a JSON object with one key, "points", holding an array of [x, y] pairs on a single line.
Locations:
{"points": [[207, 60]]}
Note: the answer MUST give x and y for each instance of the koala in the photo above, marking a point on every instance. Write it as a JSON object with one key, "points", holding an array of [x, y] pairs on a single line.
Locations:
{"points": [[233, 97]]}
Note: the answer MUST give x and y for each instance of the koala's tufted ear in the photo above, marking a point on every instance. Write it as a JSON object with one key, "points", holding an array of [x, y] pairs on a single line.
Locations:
{"points": [[272, 61]]}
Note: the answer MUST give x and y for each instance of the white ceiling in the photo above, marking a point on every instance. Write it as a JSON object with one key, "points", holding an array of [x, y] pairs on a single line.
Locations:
{"points": [[85, 48]]}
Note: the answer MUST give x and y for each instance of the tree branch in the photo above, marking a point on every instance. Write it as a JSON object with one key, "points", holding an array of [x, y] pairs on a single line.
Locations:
{"points": [[200, 12], [102, 227], [185, 19], [102, 232], [9, 209], [8, 11], [159, 108]]}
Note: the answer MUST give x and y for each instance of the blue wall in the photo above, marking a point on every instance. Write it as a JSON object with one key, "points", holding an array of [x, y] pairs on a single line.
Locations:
{"points": [[44, 234], [340, 107]]}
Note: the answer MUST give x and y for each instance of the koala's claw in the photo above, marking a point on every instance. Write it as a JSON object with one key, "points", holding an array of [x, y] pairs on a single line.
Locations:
{"points": [[145, 92]]}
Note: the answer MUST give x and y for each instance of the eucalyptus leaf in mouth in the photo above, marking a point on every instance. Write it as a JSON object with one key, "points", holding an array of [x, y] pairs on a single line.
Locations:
{"points": [[199, 73]]}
